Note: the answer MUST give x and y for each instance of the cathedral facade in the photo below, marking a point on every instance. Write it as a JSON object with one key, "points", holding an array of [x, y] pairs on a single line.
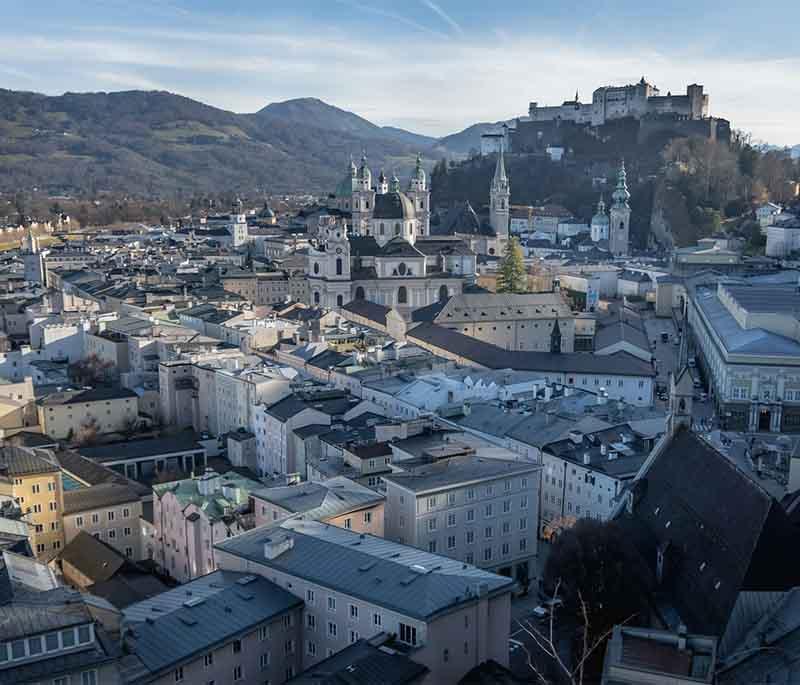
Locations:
{"points": [[386, 255]]}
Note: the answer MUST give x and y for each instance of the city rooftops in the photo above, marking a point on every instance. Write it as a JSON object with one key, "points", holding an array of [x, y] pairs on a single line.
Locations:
{"points": [[78, 396], [404, 579], [334, 497], [425, 476], [175, 626], [143, 449]]}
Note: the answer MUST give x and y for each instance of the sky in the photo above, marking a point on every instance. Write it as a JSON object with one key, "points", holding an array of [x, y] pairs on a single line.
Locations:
{"points": [[430, 66]]}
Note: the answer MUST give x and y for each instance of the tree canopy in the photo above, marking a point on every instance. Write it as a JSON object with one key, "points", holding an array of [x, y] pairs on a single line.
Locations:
{"points": [[512, 277]]}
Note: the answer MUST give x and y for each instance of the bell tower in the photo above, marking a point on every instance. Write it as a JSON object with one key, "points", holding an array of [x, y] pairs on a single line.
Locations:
{"points": [[620, 216], [499, 197], [421, 197]]}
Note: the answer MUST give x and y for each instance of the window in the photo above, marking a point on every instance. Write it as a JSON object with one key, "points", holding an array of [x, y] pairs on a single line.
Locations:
{"points": [[68, 638], [89, 678], [288, 647], [126, 532], [451, 542], [367, 517], [451, 520], [507, 485], [471, 493], [311, 648], [35, 489], [505, 549], [331, 603], [489, 490], [51, 642], [488, 511], [112, 534], [95, 518], [348, 523], [470, 515], [35, 645], [506, 527], [18, 649], [179, 674], [353, 612], [354, 636], [79, 521], [310, 597], [432, 524], [451, 498], [408, 634], [445, 655], [377, 620], [523, 503], [523, 524], [110, 515], [431, 502], [237, 646], [432, 546], [263, 633], [487, 554], [469, 558], [208, 659], [237, 673], [332, 629], [506, 506], [488, 532]]}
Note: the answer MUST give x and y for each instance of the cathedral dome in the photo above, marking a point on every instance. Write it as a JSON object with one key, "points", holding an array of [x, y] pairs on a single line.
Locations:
{"points": [[393, 206], [345, 187]]}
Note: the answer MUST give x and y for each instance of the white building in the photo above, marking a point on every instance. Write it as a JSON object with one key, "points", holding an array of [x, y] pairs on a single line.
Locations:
{"points": [[476, 510], [453, 615]]}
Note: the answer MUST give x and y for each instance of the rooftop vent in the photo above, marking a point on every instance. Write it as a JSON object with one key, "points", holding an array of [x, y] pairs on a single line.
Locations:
{"points": [[246, 580], [273, 548], [193, 602], [587, 458]]}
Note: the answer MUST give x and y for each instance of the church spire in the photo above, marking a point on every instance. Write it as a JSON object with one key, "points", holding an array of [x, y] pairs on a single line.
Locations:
{"points": [[500, 170], [621, 194], [555, 338]]}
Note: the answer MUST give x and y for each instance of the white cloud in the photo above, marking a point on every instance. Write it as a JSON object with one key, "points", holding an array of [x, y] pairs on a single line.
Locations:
{"points": [[435, 87]]}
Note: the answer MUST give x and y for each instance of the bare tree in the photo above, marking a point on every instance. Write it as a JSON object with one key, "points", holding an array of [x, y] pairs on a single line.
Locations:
{"points": [[545, 641]]}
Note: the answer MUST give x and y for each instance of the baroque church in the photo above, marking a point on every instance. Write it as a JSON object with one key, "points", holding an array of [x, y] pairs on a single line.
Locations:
{"points": [[385, 253]]}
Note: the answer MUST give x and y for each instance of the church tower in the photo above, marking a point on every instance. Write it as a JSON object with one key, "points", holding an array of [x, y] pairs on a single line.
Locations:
{"points": [[363, 197], [499, 196], [420, 195], [620, 216], [681, 396], [337, 265], [599, 226], [382, 186]]}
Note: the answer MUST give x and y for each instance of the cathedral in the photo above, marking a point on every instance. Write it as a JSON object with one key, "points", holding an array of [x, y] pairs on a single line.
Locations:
{"points": [[386, 254]]}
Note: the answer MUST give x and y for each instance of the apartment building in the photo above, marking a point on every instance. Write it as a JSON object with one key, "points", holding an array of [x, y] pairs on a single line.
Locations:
{"points": [[191, 515], [63, 415], [453, 615], [584, 474], [338, 501], [53, 637], [33, 480], [273, 425], [222, 628], [477, 510], [111, 512]]}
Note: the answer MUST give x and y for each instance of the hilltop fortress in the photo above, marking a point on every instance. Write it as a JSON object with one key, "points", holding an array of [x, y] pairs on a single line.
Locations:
{"points": [[641, 104]]}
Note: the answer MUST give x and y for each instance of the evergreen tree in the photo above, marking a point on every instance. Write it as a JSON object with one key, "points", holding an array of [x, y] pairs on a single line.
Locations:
{"points": [[512, 277]]}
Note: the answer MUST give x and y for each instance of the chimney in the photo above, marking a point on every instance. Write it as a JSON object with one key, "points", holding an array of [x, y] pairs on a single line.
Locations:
{"points": [[603, 449], [274, 547], [587, 459]]}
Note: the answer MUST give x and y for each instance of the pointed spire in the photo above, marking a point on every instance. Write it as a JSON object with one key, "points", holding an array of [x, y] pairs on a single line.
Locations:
{"points": [[395, 184], [500, 169], [621, 194], [577, 99]]}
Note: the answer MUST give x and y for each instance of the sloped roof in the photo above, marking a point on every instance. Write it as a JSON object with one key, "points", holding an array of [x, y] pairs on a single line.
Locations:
{"points": [[92, 557], [225, 606], [720, 531], [398, 577]]}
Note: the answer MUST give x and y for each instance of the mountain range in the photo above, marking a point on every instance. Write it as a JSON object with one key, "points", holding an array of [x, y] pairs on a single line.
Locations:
{"points": [[157, 143]]}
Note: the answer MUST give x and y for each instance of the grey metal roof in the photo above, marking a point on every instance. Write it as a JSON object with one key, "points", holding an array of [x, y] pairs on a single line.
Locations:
{"points": [[99, 394], [363, 664], [96, 496], [24, 461], [738, 340], [493, 357], [447, 472], [320, 501], [223, 606], [401, 578], [134, 449]]}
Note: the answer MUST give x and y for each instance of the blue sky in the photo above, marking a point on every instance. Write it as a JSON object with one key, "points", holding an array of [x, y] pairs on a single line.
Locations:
{"points": [[432, 66]]}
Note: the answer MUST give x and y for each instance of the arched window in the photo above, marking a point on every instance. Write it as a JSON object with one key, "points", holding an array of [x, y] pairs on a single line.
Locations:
{"points": [[316, 297], [338, 266], [339, 300], [443, 293], [402, 269], [359, 293], [316, 267], [402, 295], [397, 229]]}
